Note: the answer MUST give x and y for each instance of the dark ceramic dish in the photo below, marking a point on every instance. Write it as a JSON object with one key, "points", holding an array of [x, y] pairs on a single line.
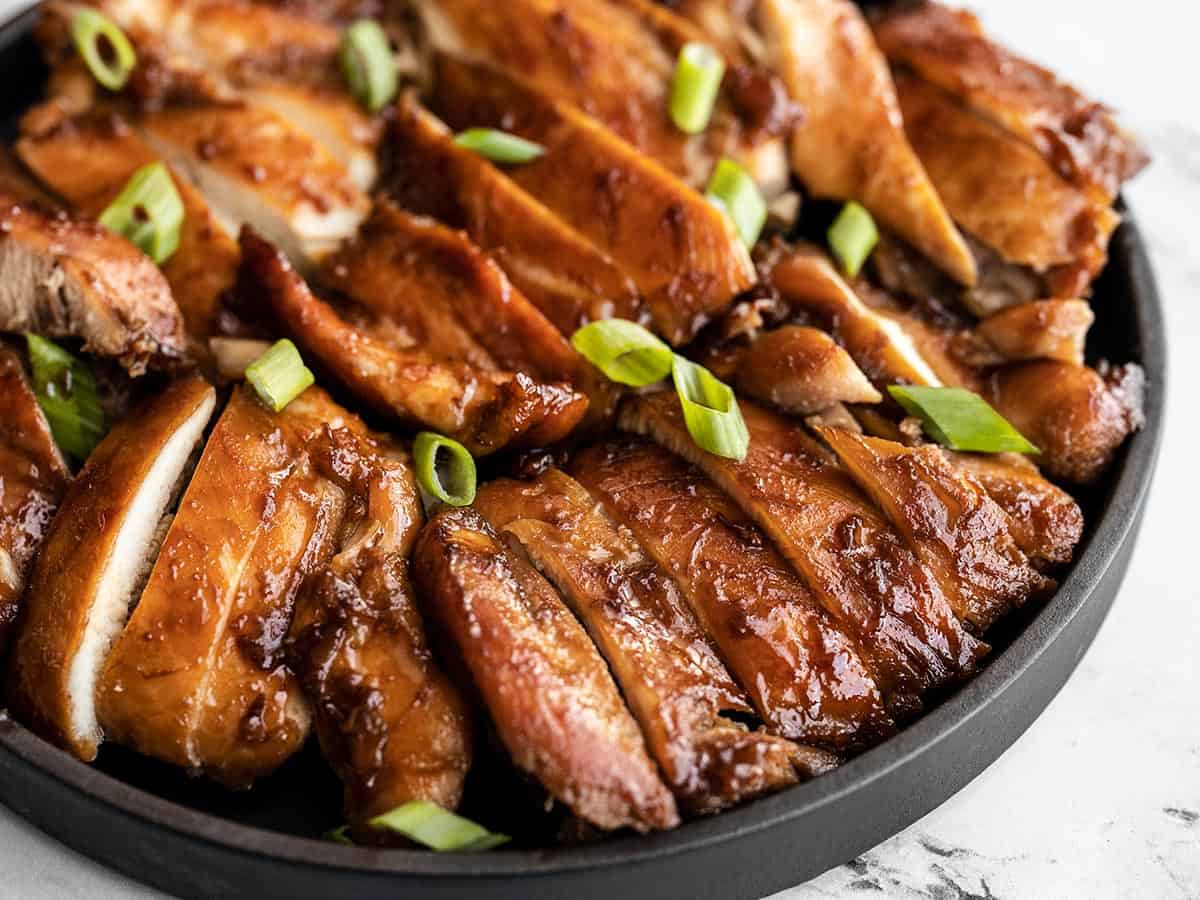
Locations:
{"points": [[155, 824]]}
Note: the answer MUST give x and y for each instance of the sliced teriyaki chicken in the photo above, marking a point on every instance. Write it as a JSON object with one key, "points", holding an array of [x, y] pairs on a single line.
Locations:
{"points": [[485, 410], [670, 673], [97, 553], [197, 678], [1078, 136], [389, 720], [568, 277], [549, 693], [33, 477], [1004, 193], [1041, 329], [88, 159], [682, 253], [429, 284], [614, 60], [858, 567], [956, 529], [805, 676], [851, 144], [66, 277]]}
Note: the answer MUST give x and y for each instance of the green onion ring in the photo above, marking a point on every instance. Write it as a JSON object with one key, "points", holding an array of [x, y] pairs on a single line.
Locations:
{"points": [[960, 419], [368, 64], [149, 212], [710, 411], [733, 191], [698, 74], [624, 351], [457, 488], [852, 237], [499, 146], [279, 376], [87, 28]]}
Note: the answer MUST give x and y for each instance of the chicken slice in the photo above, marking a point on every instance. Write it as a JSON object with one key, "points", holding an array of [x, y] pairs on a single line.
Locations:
{"points": [[485, 410], [66, 277], [804, 674], [549, 693], [33, 477], [1079, 137], [671, 675], [858, 567], [1001, 190], [389, 721], [568, 277], [851, 144], [96, 555], [682, 253], [1042, 329]]}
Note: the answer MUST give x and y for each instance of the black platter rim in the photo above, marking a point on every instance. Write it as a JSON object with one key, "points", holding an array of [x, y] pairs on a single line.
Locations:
{"points": [[762, 847]]}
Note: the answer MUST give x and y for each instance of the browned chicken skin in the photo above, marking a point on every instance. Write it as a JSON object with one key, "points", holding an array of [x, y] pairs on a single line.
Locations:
{"points": [[33, 477], [804, 675], [389, 721], [1043, 329], [668, 669], [482, 409], [549, 693]]}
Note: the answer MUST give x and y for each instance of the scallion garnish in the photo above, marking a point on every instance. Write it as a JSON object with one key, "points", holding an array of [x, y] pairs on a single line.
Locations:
{"points": [[279, 375], [698, 73], [368, 64], [66, 391], [733, 191], [624, 351], [445, 468], [148, 211], [960, 419], [499, 146], [437, 828], [104, 47], [852, 237], [339, 835], [710, 410]]}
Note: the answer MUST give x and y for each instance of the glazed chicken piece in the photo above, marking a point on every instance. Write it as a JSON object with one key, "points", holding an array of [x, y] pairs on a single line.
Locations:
{"points": [[96, 555], [88, 159], [564, 274], [668, 669], [1078, 137], [614, 60], [851, 145], [1043, 329], [389, 721], [683, 254], [1004, 193], [485, 410], [858, 567], [956, 529], [549, 693], [33, 477], [197, 678], [432, 288], [805, 676], [65, 277]]}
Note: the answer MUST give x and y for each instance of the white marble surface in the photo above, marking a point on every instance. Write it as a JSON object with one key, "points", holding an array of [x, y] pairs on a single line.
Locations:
{"points": [[1101, 797]]}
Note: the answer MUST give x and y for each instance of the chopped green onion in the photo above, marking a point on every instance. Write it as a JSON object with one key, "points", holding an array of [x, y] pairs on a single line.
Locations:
{"points": [[66, 391], [96, 37], [339, 836], [960, 419], [733, 191], [279, 375], [450, 478], [624, 351], [698, 73], [499, 146], [369, 65], [852, 237], [437, 828], [148, 211], [710, 410]]}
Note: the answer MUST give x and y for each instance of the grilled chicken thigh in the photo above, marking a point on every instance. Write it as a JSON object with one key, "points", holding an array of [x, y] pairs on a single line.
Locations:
{"points": [[549, 693], [33, 477], [682, 253], [1042, 329], [389, 721], [486, 410], [95, 558], [805, 676], [668, 669]]}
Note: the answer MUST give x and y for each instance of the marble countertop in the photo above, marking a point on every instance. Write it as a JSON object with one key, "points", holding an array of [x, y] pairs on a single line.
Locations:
{"points": [[1101, 797]]}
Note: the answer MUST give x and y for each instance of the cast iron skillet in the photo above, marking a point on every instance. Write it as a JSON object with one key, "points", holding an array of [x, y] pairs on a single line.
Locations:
{"points": [[155, 824]]}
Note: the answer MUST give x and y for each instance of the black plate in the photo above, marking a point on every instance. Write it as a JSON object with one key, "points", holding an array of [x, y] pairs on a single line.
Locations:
{"points": [[155, 824]]}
